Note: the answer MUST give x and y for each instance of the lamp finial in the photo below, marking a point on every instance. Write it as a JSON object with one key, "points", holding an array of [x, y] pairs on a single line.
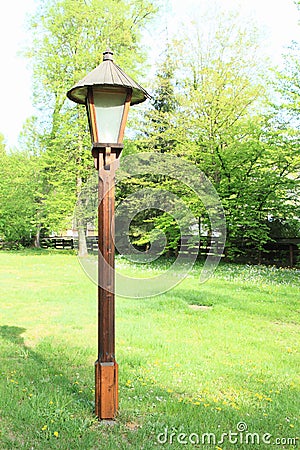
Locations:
{"points": [[108, 55]]}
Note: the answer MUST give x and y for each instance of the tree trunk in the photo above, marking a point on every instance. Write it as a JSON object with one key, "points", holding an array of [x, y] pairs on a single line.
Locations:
{"points": [[81, 208], [37, 243], [81, 222], [82, 247]]}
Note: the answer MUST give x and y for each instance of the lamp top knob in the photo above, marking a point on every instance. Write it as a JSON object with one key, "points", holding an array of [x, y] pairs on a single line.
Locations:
{"points": [[108, 55]]}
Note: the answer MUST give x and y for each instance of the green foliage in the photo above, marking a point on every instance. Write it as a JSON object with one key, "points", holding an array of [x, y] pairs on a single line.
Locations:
{"points": [[69, 40], [219, 117], [287, 85], [158, 122], [212, 104], [19, 185]]}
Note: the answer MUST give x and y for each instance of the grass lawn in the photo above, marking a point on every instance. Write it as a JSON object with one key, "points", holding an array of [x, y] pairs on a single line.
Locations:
{"points": [[184, 372]]}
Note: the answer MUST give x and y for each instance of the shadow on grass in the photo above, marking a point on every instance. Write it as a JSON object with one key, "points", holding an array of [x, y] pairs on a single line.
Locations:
{"points": [[12, 334], [46, 367], [33, 251], [29, 359]]}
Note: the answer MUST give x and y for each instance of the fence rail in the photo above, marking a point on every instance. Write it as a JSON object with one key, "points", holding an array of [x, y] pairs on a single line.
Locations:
{"points": [[61, 243], [281, 252]]}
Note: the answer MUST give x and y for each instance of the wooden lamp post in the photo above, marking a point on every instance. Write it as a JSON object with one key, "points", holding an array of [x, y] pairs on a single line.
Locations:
{"points": [[107, 92]]}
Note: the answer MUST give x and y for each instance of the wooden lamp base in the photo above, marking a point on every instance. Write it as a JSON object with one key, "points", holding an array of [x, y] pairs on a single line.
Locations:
{"points": [[106, 390]]}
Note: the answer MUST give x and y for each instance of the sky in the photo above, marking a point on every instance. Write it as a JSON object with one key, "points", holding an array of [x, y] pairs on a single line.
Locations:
{"points": [[278, 20]]}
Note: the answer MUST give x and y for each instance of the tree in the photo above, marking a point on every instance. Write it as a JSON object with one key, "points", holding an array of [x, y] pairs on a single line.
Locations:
{"points": [[286, 124], [18, 187], [70, 39], [234, 143], [287, 88], [223, 123], [159, 119], [155, 124]]}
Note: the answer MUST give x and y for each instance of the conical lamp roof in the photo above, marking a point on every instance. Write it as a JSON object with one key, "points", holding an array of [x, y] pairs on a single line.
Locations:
{"points": [[107, 74]]}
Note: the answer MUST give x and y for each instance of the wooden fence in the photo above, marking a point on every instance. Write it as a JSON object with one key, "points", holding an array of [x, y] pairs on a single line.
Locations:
{"points": [[280, 252], [60, 243]]}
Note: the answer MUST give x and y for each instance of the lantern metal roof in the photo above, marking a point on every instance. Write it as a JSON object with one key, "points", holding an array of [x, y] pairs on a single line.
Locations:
{"points": [[107, 74]]}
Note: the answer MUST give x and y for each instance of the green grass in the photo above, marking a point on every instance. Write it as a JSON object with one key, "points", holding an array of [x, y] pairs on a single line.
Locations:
{"points": [[185, 370]]}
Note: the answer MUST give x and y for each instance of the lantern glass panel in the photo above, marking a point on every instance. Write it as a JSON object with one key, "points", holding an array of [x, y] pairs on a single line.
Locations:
{"points": [[109, 107]]}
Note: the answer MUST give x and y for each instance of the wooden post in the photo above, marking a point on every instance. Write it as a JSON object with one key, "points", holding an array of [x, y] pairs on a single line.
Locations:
{"points": [[106, 368], [291, 249]]}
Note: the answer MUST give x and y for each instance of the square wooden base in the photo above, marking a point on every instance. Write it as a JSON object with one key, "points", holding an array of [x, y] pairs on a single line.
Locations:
{"points": [[106, 389]]}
